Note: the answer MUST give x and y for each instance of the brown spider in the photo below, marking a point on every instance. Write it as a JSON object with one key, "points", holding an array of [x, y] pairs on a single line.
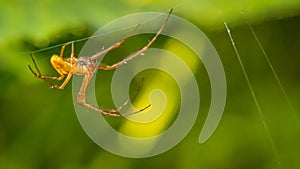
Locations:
{"points": [[86, 66]]}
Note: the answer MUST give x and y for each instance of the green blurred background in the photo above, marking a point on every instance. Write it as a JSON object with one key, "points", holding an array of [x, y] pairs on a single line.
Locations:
{"points": [[39, 127]]}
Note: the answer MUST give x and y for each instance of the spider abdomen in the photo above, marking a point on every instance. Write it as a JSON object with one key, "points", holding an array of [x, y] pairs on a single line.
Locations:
{"points": [[62, 67]]}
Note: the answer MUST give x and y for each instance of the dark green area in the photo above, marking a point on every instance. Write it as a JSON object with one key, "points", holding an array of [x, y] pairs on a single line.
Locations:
{"points": [[39, 127]]}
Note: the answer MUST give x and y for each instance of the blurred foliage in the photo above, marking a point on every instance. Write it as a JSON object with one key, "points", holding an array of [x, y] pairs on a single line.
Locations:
{"points": [[39, 128]]}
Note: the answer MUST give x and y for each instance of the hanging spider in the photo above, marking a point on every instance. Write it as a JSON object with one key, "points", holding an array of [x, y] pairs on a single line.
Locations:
{"points": [[87, 66]]}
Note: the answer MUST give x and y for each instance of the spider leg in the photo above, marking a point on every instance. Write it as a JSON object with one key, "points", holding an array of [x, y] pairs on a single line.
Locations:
{"points": [[35, 65], [81, 100], [132, 113], [81, 97], [115, 113], [118, 44], [132, 97], [39, 75], [64, 46], [140, 52]]}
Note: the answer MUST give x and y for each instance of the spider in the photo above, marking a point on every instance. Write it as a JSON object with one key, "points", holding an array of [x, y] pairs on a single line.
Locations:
{"points": [[86, 66]]}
